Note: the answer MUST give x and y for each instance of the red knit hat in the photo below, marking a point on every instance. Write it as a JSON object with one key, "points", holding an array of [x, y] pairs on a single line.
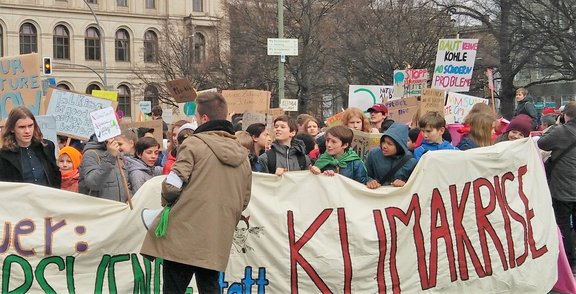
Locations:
{"points": [[521, 123], [548, 110]]}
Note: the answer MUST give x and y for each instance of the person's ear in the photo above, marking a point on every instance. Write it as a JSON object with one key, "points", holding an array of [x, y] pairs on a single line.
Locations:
{"points": [[345, 145]]}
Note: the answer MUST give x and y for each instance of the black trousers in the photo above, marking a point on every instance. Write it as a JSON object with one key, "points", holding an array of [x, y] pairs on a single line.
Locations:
{"points": [[177, 276], [565, 211]]}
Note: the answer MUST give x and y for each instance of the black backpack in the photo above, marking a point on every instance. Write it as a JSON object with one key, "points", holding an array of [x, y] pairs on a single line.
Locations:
{"points": [[271, 154]]}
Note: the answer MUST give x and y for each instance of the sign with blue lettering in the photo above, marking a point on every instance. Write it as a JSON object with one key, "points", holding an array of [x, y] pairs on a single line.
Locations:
{"points": [[20, 84]]}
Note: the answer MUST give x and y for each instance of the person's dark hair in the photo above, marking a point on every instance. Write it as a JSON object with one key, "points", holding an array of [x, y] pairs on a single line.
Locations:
{"points": [[183, 134], [432, 119], [413, 134], [399, 149], [570, 110], [143, 144], [213, 105], [308, 141], [8, 139], [256, 129], [321, 141], [157, 110], [548, 120], [301, 118], [446, 136], [291, 124], [343, 133]]}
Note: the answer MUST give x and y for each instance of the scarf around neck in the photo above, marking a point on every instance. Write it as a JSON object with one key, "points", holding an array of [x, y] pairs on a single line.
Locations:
{"points": [[326, 159]]}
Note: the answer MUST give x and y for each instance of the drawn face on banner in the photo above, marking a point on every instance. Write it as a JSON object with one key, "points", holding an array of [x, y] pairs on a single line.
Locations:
{"points": [[24, 131]]}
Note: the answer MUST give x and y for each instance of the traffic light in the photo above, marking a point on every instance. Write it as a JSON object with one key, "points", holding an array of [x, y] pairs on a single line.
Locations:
{"points": [[47, 66]]}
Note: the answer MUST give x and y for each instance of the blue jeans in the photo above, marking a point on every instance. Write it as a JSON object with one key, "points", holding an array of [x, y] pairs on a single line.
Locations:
{"points": [[177, 276]]}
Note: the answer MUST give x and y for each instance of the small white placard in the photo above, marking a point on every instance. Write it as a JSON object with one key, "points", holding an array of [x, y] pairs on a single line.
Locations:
{"points": [[105, 123], [145, 106], [289, 104], [279, 46]]}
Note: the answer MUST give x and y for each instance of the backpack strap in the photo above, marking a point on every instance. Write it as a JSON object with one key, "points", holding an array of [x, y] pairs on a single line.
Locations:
{"points": [[394, 169], [99, 162], [271, 160]]}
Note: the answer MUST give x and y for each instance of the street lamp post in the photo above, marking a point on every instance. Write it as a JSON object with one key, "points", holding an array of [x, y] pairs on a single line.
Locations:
{"points": [[281, 58], [103, 43]]}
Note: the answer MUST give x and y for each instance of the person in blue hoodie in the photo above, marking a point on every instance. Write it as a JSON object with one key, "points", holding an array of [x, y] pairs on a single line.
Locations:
{"points": [[433, 125], [391, 163], [339, 158]]}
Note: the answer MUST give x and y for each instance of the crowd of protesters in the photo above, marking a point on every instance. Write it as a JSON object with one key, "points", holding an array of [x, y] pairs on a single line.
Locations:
{"points": [[118, 167]]}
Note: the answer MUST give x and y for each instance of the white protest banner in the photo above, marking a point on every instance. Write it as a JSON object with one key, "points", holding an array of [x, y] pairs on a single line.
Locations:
{"points": [[20, 84], [467, 221], [454, 64], [409, 82], [105, 123], [458, 105], [72, 111], [364, 97], [47, 124], [289, 104]]}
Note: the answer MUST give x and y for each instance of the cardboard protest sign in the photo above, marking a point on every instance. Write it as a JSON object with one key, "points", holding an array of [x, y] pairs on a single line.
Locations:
{"points": [[454, 64], [450, 229], [105, 123], [335, 120], [363, 142], [458, 105], [109, 95], [249, 118], [276, 112], [20, 84], [364, 97], [409, 82], [152, 124], [403, 110], [47, 124], [240, 101], [181, 90], [72, 112], [432, 100]]}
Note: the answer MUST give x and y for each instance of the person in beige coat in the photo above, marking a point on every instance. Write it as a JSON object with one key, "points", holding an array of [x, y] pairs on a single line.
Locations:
{"points": [[208, 188]]}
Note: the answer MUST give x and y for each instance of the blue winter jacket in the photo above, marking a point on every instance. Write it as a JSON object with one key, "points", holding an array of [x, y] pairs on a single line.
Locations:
{"points": [[467, 143], [354, 170], [425, 147], [378, 165]]}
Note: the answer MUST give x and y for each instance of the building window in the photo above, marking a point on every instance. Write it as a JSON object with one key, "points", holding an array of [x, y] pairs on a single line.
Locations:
{"points": [[28, 39], [151, 94], [1, 41], [199, 48], [122, 3], [92, 44], [124, 100], [92, 87], [92, 1], [150, 46], [197, 6], [150, 4], [63, 86], [61, 42], [122, 45]]}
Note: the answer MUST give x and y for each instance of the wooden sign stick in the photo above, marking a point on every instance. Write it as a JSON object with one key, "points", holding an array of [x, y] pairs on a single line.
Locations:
{"points": [[128, 194]]}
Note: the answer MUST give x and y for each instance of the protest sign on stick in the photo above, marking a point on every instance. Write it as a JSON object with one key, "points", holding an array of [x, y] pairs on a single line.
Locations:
{"points": [[72, 111], [454, 64], [20, 84], [363, 142], [240, 101], [402, 110], [181, 90], [432, 100], [409, 82], [105, 123], [458, 105], [364, 96]]}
